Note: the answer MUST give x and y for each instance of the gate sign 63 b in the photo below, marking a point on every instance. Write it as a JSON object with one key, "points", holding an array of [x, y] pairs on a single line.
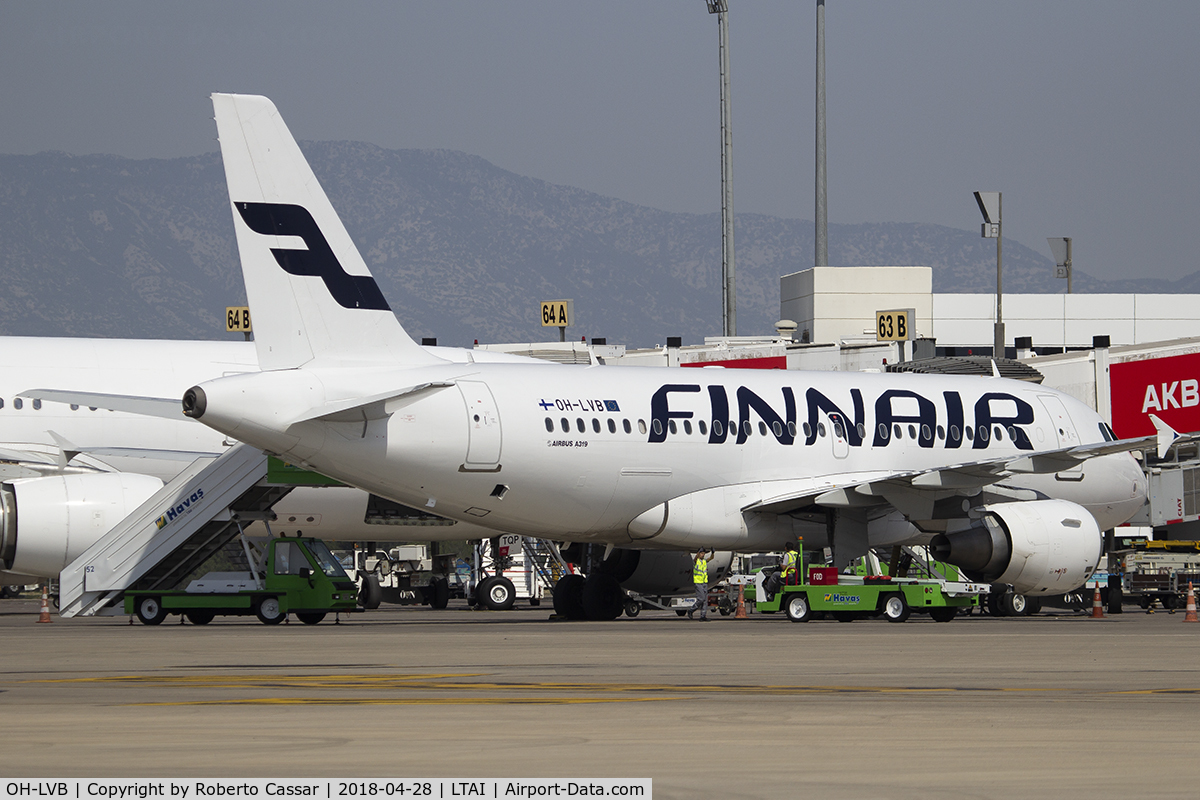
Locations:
{"points": [[558, 313], [895, 325]]}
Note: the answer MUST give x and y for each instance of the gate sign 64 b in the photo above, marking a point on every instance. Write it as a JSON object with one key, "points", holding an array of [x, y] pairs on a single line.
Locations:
{"points": [[558, 313]]}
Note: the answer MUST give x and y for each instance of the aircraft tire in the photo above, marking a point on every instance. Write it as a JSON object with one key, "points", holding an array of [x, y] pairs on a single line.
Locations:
{"points": [[268, 611], [310, 617], [150, 611], [201, 616], [439, 593], [603, 597], [370, 595], [568, 597], [1033, 605], [945, 614], [632, 608], [496, 593], [1013, 604]]}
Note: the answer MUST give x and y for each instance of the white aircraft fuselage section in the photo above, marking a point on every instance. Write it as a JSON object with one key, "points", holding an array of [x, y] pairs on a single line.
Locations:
{"points": [[583, 452]]}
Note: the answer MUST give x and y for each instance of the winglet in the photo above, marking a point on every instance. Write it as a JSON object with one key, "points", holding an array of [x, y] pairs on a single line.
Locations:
{"points": [[1166, 435]]}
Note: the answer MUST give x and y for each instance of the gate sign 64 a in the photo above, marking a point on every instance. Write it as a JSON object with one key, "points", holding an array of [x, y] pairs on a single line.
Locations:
{"points": [[895, 325], [558, 313]]}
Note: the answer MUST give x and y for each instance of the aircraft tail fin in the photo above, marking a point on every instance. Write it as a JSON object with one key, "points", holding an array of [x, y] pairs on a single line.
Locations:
{"points": [[311, 295]]}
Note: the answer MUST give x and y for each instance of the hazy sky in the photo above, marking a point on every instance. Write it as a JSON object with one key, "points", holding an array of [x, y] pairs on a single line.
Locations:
{"points": [[1083, 113]]}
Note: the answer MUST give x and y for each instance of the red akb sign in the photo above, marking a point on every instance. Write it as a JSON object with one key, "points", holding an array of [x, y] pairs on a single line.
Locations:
{"points": [[1169, 388]]}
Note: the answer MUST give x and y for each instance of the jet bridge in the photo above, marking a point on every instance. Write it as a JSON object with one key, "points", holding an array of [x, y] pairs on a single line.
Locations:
{"points": [[171, 534]]}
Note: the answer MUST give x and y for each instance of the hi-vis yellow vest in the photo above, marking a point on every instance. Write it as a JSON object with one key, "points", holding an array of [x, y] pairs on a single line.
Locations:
{"points": [[700, 570]]}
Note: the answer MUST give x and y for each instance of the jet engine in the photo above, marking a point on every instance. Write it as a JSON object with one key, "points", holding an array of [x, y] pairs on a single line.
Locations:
{"points": [[1040, 547], [47, 522]]}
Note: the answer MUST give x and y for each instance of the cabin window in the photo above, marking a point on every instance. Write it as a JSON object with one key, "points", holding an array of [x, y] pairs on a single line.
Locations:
{"points": [[925, 433], [17, 402], [969, 433], [625, 424], [75, 407], [687, 426], [579, 424], [954, 433], [999, 434], [883, 432], [912, 431], [941, 433], [983, 433], [747, 429], [595, 425], [718, 428], [821, 429], [642, 426], [566, 426], [899, 434], [612, 425], [807, 430], [762, 428], [792, 429], [776, 428], [671, 427], [549, 425], [37, 405], [862, 430], [703, 428]]}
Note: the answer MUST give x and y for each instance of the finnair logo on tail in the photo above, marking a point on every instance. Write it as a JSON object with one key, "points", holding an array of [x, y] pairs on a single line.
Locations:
{"points": [[318, 261]]}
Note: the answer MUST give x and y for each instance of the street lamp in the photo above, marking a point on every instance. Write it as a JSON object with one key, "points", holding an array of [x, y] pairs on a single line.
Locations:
{"points": [[728, 281], [989, 206], [1060, 248]]}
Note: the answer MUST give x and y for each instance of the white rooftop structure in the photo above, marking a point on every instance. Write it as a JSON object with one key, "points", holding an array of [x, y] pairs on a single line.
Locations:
{"points": [[833, 304]]}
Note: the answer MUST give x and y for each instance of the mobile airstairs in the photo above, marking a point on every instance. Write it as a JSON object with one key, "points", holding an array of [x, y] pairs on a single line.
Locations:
{"points": [[179, 528]]}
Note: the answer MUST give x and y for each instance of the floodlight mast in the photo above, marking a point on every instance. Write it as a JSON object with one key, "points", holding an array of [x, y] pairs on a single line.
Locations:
{"points": [[990, 206], [728, 273], [1060, 248], [821, 208]]}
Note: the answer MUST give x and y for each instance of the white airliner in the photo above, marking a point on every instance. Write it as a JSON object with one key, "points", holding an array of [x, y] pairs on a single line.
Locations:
{"points": [[69, 471], [1012, 481]]}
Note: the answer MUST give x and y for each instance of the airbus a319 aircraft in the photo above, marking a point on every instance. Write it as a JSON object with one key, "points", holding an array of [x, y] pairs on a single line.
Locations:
{"points": [[1013, 482]]}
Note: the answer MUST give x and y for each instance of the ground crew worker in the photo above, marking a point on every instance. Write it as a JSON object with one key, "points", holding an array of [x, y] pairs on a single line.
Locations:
{"points": [[790, 559], [700, 579]]}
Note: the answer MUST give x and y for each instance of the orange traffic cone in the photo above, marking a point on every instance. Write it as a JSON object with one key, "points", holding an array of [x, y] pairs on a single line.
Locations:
{"points": [[45, 615], [1191, 605], [1097, 608], [741, 609]]}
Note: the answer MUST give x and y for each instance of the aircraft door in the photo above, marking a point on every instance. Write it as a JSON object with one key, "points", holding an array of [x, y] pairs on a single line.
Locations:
{"points": [[1064, 430], [838, 436], [483, 424]]}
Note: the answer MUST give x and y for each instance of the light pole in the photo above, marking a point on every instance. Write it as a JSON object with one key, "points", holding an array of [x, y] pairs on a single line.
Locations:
{"points": [[728, 282], [821, 213], [989, 206], [1060, 248]]}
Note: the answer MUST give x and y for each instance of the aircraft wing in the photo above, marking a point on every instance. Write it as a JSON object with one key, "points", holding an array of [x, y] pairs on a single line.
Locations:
{"points": [[913, 493], [145, 406]]}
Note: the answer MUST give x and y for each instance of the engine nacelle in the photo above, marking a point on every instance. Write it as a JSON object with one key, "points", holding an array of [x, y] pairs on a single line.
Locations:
{"points": [[665, 572], [46, 523], [1041, 547]]}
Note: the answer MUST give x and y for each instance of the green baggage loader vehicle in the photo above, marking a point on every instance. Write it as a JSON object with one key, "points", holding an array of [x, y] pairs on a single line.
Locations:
{"points": [[846, 598], [299, 576]]}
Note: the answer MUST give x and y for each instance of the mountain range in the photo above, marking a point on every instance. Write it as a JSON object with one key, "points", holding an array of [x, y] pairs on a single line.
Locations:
{"points": [[463, 250]]}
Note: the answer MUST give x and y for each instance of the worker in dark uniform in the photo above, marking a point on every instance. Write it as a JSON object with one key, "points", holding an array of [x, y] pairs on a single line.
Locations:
{"points": [[700, 579]]}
